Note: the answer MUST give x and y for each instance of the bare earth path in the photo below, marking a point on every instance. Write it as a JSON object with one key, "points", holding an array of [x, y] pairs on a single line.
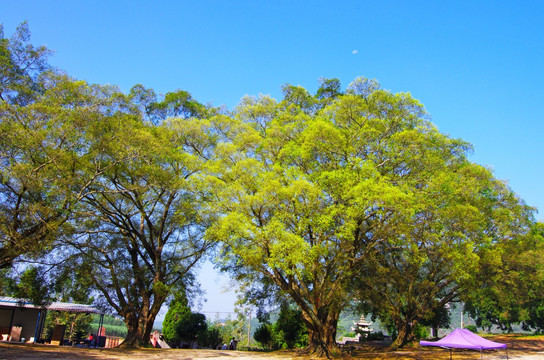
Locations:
{"points": [[519, 348]]}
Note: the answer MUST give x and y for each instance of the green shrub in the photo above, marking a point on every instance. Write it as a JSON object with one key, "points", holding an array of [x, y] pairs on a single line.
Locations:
{"points": [[375, 336], [211, 338], [264, 336], [290, 327], [472, 328], [421, 332]]}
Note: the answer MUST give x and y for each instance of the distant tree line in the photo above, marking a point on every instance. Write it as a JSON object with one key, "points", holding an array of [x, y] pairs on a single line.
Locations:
{"points": [[346, 197]]}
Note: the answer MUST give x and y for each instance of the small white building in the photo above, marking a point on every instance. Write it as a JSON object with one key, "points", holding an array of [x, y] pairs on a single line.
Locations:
{"points": [[361, 327]]}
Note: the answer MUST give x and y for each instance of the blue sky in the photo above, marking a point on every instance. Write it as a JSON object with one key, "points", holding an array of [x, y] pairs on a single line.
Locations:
{"points": [[477, 66]]}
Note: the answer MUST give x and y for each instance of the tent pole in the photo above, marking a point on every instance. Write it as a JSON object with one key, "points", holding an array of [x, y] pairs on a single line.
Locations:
{"points": [[481, 354], [450, 354], [506, 349]]}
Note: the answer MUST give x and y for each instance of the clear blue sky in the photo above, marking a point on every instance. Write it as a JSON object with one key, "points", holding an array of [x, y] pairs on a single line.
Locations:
{"points": [[477, 66]]}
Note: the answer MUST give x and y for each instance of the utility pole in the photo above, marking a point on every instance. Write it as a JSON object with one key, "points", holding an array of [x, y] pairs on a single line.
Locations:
{"points": [[249, 330]]}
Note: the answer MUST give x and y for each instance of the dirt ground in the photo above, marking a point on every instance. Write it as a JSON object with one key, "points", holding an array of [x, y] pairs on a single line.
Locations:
{"points": [[519, 348]]}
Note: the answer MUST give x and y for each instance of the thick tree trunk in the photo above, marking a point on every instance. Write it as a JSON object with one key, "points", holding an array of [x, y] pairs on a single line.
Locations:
{"points": [[321, 332], [435, 331], [405, 334], [133, 334], [138, 330]]}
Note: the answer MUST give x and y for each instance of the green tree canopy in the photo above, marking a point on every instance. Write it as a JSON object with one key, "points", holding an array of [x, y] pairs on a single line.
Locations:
{"points": [[323, 198], [182, 325], [507, 286], [138, 225], [21, 67], [306, 199], [457, 210], [264, 335], [36, 152], [89, 178], [211, 338], [177, 310], [289, 327]]}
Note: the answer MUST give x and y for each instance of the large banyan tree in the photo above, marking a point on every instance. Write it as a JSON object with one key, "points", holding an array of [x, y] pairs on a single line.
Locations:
{"points": [[97, 181], [138, 228], [310, 192]]}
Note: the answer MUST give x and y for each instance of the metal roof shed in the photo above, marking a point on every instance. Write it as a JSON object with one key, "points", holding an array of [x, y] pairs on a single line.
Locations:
{"points": [[29, 318]]}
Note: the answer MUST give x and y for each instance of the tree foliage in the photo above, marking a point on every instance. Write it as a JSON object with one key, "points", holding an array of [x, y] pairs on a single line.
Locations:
{"points": [[361, 187], [289, 327], [507, 286], [193, 327], [288, 331], [302, 194], [138, 222], [181, 325], [458, 211], [264, 335], [178, 307], [31, 286], [322, 198], [211, 338], [21, 67], [105, 178], [36, 163]]}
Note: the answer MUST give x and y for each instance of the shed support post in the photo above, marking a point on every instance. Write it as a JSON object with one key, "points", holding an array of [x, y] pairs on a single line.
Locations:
{"points": [[100, 323], [36, 331], [11, 323], [42, 323]]}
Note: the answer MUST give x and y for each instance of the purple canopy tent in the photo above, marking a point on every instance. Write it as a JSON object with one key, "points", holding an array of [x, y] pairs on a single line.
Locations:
{"points": [[464, 339]]}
